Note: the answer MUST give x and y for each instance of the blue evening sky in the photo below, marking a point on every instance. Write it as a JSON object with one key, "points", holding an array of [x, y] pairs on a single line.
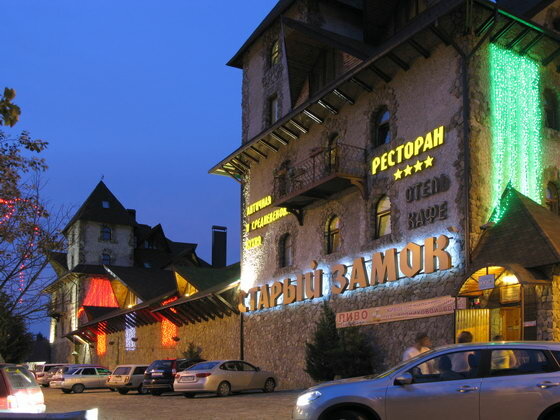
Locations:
{"points": [[137, 91]]}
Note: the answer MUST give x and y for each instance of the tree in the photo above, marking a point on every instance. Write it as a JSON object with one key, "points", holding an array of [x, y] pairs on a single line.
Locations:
{"points": [[332, 353], [28, 232], [192, 352], [15, 340], [321, 352]]}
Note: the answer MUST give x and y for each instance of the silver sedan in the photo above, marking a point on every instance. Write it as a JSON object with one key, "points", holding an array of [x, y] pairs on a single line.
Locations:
{"points": [[483, 381], [223, 377]]}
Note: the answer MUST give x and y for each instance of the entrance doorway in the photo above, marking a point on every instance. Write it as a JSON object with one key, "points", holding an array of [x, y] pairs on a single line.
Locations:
{"points": [[494, 309]]}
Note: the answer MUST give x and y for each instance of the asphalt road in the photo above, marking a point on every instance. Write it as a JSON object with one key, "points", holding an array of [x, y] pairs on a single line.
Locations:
{"points": [[112, 405]]}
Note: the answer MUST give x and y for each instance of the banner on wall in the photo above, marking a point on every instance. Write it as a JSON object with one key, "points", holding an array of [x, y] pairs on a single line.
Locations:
{"points": [[410, 310]]}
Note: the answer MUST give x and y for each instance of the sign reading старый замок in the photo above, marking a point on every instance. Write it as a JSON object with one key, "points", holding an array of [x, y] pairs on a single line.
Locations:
{"points": [[411, 260]]}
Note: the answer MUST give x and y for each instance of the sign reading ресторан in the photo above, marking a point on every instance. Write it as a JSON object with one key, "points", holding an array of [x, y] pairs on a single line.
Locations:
{"points": [[407, 152], [386, 266], [410, 310]]}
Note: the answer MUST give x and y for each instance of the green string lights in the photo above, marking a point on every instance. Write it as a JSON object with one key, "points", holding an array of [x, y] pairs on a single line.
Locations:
{"points": [[516, 116]]}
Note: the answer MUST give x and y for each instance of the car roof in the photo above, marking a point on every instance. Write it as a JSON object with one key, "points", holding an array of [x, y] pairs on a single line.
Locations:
{"points": [[118, 366], [512, 344]]}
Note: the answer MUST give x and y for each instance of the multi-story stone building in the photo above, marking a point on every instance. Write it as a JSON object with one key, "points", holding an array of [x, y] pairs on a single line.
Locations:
{"points": [[116, 273], [399, 160]]}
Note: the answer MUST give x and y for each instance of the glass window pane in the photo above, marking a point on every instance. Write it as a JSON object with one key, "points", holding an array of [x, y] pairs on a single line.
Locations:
{"points": [[448, 367], [384, 224], [505, 362]]}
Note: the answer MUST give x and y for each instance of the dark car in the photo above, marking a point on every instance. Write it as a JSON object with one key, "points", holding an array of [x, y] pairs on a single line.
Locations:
{"points": [[159, 376]]}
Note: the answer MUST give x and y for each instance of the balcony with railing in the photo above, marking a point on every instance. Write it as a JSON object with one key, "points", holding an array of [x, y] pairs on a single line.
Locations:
{"points": [[324, 173]]}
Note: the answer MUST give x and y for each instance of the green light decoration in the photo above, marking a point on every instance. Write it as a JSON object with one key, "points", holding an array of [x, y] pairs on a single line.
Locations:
{"points": [[516, 121]]}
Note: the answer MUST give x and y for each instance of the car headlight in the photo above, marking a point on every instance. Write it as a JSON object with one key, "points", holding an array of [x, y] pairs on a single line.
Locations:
{"points": [[307, 398]]}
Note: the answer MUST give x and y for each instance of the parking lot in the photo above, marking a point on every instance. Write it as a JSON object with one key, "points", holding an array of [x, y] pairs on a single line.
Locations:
{"points": [[111, 405]]}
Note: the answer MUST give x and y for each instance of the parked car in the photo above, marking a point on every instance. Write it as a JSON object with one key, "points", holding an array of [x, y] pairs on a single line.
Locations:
{"points": [[81, 378], [43, 373], [223, 377], [19, 391], [159, 376], [499, 380], [127, 377]]}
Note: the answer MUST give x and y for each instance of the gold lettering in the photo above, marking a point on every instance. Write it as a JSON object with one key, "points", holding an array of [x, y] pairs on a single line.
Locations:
{"points": [[439, 136], [264, 301], [436, 251], [411, 259], [253, 298], [314, 285], [241, 304], [300, 287], [359, 277], [390, 158], [399, 153], [418, 145], [408, 150], [340, 282], [384, 161], [289, 292], [428, 142], [275, 293], [375, 164], [384, 268]]}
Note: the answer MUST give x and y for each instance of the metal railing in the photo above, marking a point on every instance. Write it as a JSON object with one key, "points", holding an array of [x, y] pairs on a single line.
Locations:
{"points": [[341, 159]]}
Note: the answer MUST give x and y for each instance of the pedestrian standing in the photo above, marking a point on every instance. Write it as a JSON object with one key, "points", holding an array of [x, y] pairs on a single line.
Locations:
{"points": [[461, 360], [422, 344]]}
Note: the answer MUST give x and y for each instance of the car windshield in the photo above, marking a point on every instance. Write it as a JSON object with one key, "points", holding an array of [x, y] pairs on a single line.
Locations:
{"points": [[121, 370], [70, 370], [400, 365], [53, 368], [204, 366], [20, 378], [161, 364]]}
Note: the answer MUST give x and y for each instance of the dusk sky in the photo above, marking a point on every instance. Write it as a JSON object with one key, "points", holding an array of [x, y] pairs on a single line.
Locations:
{"points": [[138, 92]]}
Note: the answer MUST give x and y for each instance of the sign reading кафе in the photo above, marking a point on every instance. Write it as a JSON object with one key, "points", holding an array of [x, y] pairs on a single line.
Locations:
{"points": [[411, 260]]}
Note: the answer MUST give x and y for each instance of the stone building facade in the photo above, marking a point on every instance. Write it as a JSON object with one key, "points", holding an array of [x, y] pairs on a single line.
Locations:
{"points": [[378, 136]]}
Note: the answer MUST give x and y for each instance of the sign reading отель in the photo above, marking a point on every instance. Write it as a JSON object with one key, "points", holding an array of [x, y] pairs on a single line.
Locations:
{"points": [[386, 266]]}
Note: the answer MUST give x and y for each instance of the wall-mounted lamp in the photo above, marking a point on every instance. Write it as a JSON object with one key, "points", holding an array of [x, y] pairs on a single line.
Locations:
{"points": [[176, 338]]}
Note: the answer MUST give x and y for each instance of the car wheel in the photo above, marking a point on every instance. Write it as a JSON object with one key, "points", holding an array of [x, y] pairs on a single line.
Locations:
{"points": [[142, 390], [123, 391], [189, 394], [112, 389], [66, 391], [553, 416], [347, 414], [269, 385], [78, 388], [156, 393], [45, 385], [224, 389]]}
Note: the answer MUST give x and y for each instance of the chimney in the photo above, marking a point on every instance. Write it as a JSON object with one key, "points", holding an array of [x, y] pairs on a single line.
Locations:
{"points": [[132, 214], [219, 240]]}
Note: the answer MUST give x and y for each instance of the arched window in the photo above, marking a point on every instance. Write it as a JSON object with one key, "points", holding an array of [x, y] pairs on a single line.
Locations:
{"points": [[285, 250], [333, 234], [275, 53], [105, 259], [105, 233], [551, 109], [552, 198], [383, 217], [382, 127]]}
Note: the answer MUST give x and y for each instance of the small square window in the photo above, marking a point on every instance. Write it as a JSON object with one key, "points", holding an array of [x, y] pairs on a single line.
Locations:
{"points": [[147, 265], [273, 109], [105, 204]]}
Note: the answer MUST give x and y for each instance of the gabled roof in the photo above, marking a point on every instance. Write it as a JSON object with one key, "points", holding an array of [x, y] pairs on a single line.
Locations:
{"points": [[94, 312], [92, 209], [204, 278], [59, 258], [527, 234], [146, 283]]}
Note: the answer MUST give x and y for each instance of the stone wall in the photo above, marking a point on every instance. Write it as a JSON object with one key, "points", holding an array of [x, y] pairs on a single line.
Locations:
{"points": [[218, 339]]}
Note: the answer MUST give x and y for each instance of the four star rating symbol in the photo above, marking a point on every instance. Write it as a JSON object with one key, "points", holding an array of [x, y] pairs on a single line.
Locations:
{"points": [[419, 166]]}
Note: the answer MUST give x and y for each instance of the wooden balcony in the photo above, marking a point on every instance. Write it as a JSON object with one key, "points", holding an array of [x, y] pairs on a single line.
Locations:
{"points": [[318, 177]]}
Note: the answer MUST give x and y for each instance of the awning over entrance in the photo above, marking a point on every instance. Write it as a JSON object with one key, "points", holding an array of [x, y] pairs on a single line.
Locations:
{"points": [[216, 302]]}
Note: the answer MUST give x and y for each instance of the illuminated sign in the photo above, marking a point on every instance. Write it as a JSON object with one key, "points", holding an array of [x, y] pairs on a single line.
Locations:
{"points": [[254, 242], [406, 152], [266, 219], [385, 267], [259, 205]]}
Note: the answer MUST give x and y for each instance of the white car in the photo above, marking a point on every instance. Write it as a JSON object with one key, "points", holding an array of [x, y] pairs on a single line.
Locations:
{"points": [[81, 378]]}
